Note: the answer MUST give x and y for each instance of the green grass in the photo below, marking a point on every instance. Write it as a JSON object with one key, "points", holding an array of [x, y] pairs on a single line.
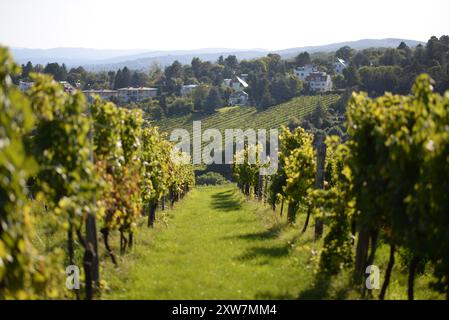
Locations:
{"points": [[215, 244], [214, 247]]}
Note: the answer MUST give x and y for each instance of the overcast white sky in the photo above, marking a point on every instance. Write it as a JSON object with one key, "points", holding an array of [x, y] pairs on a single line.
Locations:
{"points": [[193, 24]]}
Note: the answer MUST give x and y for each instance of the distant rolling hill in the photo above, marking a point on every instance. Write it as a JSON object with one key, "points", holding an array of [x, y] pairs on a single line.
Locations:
{"points": [[70, 56], [145, 63], [358, 44], [96, 59]]}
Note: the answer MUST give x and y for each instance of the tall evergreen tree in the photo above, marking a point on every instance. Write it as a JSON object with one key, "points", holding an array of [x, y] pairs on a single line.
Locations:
{"points": [[26, 69], [63, 73], [118, 80], [267, 100], [213, 101], [126, 77], [302, 59], [53, 69]]}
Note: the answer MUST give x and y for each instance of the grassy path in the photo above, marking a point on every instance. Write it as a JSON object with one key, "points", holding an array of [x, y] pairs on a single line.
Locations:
{"points": [[215, 246]]}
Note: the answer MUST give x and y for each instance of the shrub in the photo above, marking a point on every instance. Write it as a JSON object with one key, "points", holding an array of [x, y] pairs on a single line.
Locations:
{"points": [[211, 179], [180, 106]]}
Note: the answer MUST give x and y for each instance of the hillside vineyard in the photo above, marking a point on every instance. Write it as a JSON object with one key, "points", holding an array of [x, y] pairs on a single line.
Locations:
{"points": [[103, 197]]}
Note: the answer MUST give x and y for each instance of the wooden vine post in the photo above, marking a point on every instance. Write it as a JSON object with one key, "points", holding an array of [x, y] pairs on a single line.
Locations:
{"points": [[319, 180], [91, 237]]}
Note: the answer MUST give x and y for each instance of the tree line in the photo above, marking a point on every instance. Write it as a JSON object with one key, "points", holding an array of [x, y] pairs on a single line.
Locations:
{"points": [[81, 78], [394, 69], [270, 78]]}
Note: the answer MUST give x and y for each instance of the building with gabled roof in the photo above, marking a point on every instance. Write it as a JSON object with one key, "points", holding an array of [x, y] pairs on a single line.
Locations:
{"points": [[187, 88], [131, 94], [340, 65], [24, 86], [319, 81], [104, 94], [303, 72], [238, 98], [236, 84]]}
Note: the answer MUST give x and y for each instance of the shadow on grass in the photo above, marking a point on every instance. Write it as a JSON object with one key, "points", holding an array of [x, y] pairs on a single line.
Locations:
{"points": [[271, 233], [319, 289], [266, 295], [265, 252], [225, 201], [321, 286]]}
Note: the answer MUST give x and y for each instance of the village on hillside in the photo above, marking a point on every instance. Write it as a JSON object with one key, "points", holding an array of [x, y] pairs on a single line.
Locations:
{"points": [[317, 81]]}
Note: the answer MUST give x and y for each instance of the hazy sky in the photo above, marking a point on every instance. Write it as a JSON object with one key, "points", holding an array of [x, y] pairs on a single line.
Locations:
{"points": [[193, 24]]}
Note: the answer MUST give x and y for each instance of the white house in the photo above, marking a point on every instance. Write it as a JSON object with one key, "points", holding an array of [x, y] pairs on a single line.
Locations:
{"points": [[104, 94], [238, 98], [187, 88], [24, 86], [136, 94], [319, 81], [226, 83], [340, 65], [303, 72], [67, 86], [244, 76], [236, 84]]}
